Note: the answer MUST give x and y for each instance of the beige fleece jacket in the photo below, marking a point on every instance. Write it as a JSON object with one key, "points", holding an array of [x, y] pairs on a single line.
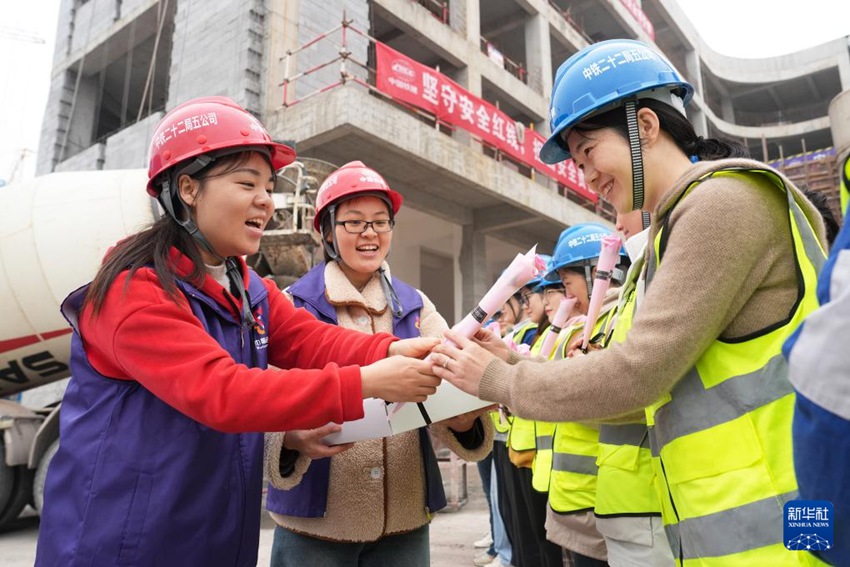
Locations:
{"points": [[378, 486], [728, 271]]}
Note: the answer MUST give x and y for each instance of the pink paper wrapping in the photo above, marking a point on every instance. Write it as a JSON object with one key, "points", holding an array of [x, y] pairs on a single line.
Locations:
{"points": [[523, 268], [611, 245], [558, 321]]}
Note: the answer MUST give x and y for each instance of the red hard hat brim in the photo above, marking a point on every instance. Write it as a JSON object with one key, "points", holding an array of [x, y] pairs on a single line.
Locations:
{"points": [[281, 156]]}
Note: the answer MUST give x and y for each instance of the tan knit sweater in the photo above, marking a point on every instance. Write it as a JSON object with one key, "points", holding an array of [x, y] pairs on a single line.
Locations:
{"points": [[378, 486], [728, 271]]}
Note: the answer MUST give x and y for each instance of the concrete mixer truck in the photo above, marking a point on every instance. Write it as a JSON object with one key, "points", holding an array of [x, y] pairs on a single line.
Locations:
{"points": [[54, 231]]}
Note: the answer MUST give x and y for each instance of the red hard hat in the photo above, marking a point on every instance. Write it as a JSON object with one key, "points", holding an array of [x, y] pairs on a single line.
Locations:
{"points": [[203, 125], [349, 180]]}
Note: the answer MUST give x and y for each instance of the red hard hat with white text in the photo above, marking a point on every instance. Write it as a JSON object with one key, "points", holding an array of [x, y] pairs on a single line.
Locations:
{"points": [[208, 125], [349, 180]]}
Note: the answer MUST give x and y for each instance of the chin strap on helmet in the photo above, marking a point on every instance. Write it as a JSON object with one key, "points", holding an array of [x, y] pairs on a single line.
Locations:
{"points": [[588, 276], [234, 274], [332, 249], [637, 155], [644, 217]]}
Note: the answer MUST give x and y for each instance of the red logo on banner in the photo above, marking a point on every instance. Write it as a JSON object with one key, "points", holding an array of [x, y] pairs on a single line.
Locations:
{"points": [[411, 82]]}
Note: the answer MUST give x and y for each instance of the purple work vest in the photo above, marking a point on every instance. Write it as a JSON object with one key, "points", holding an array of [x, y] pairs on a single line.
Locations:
{"points": [[310, 497], [136, 482]]}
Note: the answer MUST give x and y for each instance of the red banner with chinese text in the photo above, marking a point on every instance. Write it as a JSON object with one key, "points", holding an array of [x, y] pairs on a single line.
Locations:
{"points": [[411, 82]]}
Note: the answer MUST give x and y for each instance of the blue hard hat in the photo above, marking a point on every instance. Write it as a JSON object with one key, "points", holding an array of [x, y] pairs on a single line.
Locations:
{"points": [[578, 245], [599, 78]]}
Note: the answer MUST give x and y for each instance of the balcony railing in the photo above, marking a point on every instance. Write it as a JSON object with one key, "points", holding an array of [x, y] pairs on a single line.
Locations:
{"points": [[489, 49], [440, 10]]}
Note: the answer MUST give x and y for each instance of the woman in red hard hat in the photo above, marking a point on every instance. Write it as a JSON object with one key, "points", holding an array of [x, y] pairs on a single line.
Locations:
{"points": [[367, 503], [160, 461]]}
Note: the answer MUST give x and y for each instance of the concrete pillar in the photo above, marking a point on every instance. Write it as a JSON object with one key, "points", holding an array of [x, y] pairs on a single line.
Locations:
{"points": [[727, 111], [694, 70], [473, 267], [699, 120], [538, 54], [465, 18], [470, 79], [81, 129], [839, 123]]}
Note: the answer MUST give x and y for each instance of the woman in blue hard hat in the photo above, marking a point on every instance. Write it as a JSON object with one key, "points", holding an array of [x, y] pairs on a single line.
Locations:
{"points": [[733, 255], [570, 522]]}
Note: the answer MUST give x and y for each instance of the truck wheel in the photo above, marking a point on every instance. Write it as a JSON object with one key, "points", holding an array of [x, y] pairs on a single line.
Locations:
{"points": [[21, 493], [41, 475], [7, 478]]}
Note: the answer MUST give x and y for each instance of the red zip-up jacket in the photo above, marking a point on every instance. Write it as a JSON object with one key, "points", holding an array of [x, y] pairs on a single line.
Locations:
{"points": [[142, 334]]}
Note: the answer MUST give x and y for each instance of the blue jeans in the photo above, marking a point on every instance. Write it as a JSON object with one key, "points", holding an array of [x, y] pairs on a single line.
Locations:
{"points": [[501, 544], [485, 468], [295, 550]]}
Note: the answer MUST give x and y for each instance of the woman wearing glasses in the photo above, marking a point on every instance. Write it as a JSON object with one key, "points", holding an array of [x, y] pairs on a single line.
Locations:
{"points": [[366, 503]]}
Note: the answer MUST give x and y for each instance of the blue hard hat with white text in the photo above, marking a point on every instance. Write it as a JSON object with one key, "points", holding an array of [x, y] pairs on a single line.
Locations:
{"points": [[578, 245], [600, 77]]}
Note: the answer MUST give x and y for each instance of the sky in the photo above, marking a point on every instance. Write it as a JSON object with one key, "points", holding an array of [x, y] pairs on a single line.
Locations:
{"points": [[739, 28]]}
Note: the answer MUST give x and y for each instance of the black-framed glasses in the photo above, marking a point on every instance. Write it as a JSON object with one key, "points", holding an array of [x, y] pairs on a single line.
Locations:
{"points": [[361, 226], [524, 297]]}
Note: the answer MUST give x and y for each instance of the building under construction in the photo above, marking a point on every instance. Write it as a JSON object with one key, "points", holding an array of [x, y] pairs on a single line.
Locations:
{"points": [[335, 79]]}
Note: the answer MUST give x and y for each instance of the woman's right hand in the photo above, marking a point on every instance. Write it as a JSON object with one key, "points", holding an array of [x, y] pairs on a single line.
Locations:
{"points": [[399, 379]]}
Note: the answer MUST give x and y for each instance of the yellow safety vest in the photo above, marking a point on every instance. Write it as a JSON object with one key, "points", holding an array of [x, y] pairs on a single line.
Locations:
{"points": [[572, 486], [624, 483], [544, 431], [521, 435], [721, 439], [503, 426], [501, 429], [844, 190]]}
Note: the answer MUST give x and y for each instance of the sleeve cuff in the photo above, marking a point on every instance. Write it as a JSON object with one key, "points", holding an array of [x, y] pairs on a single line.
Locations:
{"points": [[351, 393], [284, 468], [495, 385]]}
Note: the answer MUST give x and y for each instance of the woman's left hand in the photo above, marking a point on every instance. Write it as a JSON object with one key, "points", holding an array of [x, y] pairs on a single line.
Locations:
{"points": [[462, 365], [418, 347]]}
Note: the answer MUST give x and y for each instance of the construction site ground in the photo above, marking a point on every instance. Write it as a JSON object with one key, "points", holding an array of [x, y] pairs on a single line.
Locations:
{"points": [[453, 531]]}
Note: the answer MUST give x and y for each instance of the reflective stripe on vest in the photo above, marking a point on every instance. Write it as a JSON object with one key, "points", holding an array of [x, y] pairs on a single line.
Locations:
{"points": [[763, 518], [721, 440], [502, 428], [572, 486]]}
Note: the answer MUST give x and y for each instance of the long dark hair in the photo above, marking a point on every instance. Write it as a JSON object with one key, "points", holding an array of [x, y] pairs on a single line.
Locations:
{"points": [[152, 246], [675, 124]]}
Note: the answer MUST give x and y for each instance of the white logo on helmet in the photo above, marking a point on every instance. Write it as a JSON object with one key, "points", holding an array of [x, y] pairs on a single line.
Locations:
{"points": [[585, 239], [188, 124], [372, 178]]}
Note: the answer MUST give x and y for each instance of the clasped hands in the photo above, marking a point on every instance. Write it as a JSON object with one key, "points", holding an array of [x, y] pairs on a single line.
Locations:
{"points": [[408, 374]]}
